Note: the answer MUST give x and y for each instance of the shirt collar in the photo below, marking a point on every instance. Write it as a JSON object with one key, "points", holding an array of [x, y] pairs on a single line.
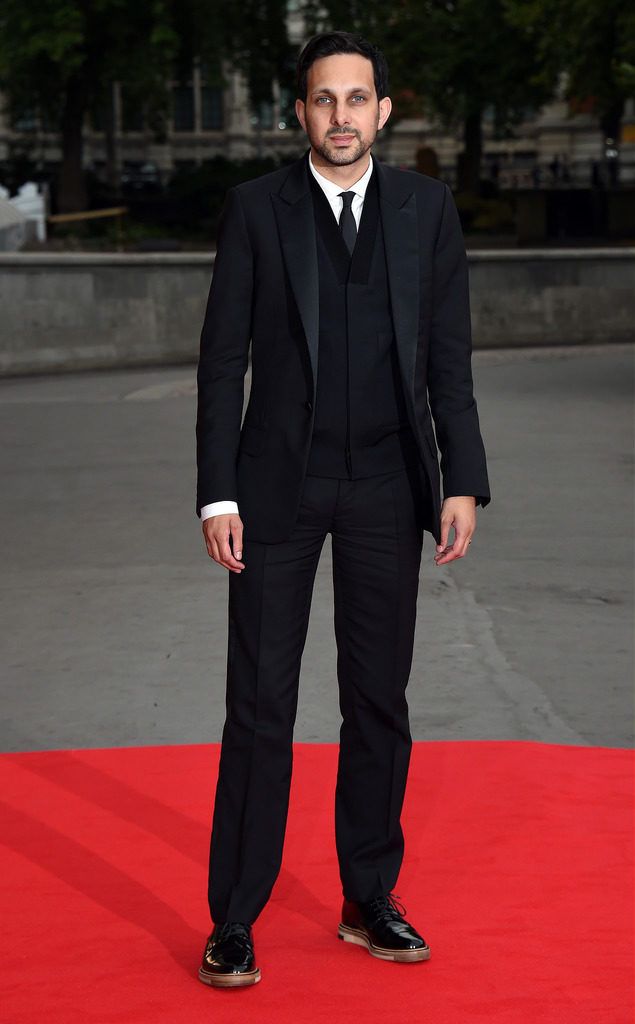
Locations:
{"points": [[333, 190]]}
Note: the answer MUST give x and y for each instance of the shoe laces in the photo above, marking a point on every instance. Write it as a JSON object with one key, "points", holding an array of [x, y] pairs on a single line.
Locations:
{"points": [[386, 908]]}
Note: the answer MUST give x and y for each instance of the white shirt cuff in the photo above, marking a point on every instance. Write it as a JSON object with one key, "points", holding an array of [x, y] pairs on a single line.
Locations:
{"points": [[218, 508]]}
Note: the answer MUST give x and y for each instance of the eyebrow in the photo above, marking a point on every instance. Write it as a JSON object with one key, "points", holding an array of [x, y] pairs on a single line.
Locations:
{"points": [[357, 88]]}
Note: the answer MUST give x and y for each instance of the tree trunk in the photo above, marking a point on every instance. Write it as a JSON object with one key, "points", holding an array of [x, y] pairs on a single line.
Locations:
{"points": [[113, 176], [469, 161], [71, 192], [610, 121]]}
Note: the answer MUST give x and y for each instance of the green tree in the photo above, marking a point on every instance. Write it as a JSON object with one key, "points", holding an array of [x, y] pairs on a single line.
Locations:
{"points": [[459, 58], [259, 44], [593, 42], [61, 58]]}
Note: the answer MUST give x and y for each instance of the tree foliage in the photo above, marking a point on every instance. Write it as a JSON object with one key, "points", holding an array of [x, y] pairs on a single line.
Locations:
{"points": [[458, 57], [463, 57], [453, 59], [592, 42], [46, 45], [60, 57]]}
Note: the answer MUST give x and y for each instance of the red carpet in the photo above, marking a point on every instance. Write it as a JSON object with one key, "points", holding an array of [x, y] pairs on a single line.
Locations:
{"points": [[517, 872]]}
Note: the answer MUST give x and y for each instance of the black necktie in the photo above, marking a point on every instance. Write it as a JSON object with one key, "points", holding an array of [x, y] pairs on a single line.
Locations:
{"points": [[347, 223]]}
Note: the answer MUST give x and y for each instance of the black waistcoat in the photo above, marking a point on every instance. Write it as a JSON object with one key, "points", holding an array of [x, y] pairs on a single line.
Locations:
{"points": [[361, 425]]}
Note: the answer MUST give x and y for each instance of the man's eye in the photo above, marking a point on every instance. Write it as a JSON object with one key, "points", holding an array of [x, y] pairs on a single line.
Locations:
{"points": [[359, 97], [325, 98]]}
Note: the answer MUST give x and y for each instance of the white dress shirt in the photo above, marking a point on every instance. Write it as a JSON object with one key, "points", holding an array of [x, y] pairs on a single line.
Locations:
{"points": [[331, 191]]}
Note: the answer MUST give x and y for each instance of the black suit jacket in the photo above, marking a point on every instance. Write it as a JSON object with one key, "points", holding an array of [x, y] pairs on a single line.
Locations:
{"points": [[264, 290]]}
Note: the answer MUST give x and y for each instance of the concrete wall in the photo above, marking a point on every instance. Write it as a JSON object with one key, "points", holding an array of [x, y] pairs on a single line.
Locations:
{"points": [[552, 296], [74, 311]]}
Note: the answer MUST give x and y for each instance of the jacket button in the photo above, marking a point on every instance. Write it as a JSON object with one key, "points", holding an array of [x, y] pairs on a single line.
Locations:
{"points": [[308, 406]]}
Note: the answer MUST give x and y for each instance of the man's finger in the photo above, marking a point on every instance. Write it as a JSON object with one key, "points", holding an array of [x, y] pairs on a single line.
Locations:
{"points": [[458, 548], [445, 533], [445, 556], [237, 535], [212, 547], [228, 560], [461, 541]]}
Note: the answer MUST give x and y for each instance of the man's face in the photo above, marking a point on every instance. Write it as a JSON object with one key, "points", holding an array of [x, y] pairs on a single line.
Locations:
{"points": [[342, 115]]}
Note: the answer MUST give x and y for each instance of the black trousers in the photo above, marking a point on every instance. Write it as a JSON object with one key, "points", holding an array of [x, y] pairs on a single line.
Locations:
{"points": [[377, 533]]}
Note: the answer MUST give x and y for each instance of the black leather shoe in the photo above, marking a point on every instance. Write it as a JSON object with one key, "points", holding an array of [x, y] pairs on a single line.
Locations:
{"points": [[228, 959], [380, 925]]}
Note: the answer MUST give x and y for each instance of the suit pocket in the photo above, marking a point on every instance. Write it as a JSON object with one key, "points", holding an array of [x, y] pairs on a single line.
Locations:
{"points": [[252, 439]]}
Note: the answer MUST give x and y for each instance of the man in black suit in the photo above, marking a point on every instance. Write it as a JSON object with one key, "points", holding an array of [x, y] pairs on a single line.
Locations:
{"points": [[349, 278]]}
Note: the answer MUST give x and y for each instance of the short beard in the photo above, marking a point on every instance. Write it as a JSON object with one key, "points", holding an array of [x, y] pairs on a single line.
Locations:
{"points": [[341, 157]]}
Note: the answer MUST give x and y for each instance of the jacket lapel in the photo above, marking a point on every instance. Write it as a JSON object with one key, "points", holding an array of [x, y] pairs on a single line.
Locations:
{"points": [[293, 208], [398, 211]]}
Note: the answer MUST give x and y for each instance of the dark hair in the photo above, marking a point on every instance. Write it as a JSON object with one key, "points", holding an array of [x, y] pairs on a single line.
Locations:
{"points": [[325, 44]]}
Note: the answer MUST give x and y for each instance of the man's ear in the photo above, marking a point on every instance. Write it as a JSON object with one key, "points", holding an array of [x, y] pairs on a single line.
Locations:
{"points": [[385, 106], [300, 113]]}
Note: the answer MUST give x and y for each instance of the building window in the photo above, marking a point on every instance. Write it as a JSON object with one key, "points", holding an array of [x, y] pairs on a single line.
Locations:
{"points": [[211, 108], [183, 108], [28, 121], [262, 115]]}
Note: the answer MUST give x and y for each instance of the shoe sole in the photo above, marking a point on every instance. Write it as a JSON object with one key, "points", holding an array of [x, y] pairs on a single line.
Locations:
{"points": [[360, 938], [235, 980]]}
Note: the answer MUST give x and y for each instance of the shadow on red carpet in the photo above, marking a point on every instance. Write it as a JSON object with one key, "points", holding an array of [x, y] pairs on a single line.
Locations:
{"points": [[518, 872]]}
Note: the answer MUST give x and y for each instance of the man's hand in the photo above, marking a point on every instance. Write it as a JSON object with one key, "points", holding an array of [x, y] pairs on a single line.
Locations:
{"points": [[217, 531], [459, 512]]}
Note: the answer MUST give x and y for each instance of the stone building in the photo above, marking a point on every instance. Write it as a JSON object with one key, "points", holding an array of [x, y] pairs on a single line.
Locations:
{"points": [[554, 145]]}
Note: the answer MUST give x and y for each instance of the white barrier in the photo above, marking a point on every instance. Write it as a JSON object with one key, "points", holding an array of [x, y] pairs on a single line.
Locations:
{"points": [[31, 205]]}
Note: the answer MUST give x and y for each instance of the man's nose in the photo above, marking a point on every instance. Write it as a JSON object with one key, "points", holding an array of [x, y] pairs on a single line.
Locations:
{"points": [[339, 114]]}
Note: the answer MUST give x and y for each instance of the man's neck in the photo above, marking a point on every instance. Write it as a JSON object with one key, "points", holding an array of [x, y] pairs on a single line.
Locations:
{"points": [[343, 175]]}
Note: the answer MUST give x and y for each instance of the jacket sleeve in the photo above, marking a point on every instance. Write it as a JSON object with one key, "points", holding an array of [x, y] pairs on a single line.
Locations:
{"points": [[450, 385], [223, 359]]}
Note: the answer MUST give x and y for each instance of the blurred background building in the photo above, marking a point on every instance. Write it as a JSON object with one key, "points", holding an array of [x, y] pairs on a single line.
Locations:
{"points": [[559, 143], [527, 109]]}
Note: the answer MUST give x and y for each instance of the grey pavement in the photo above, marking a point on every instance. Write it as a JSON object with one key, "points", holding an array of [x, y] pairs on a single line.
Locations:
{"points": [[114, 619]]}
